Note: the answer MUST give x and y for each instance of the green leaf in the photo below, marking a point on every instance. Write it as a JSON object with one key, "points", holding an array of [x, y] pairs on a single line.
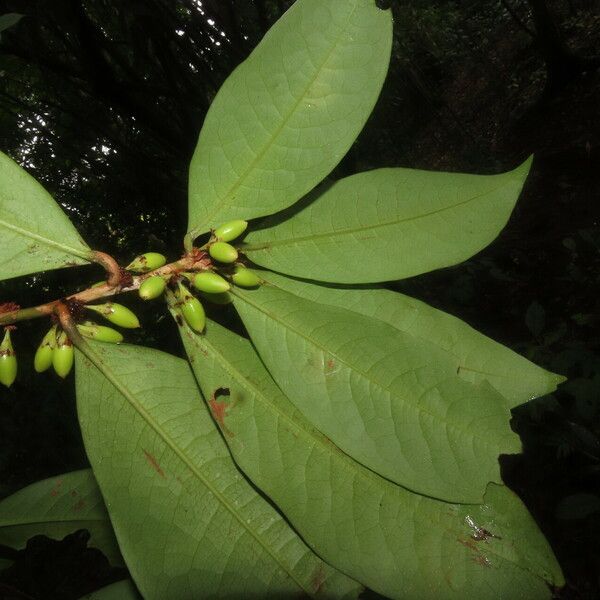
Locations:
{"points": [[122, 590], [400, 544], [389, 400], [474, 356], [288, 114], [56, 507], [8, 20], [36, 234], [188, 524], [389, 224]]}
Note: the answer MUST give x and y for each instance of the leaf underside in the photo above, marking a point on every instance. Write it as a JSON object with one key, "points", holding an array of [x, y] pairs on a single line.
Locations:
{"points": [[188, 523], [391, 401], [36, 234], [56, 507], [289, 113], [399, 544], [388, 224], [475, 357]]}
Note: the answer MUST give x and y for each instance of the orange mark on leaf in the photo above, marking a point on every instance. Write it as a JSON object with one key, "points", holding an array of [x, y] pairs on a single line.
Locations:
{"points": [[79, 505], [318, 579], [218, 409], [154, 464], [56, 489]]}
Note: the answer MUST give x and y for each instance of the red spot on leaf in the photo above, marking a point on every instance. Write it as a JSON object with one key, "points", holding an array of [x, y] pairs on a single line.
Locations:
{"points": [[318, 579], [154, 464], [56, 489], [218, 409], [79, 505]]}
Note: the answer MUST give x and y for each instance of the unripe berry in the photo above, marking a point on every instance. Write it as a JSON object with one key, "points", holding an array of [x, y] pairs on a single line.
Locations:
{"points": [[152, 287], [210, 282], [116, 313], [43, 356], [223, 252], [192, 310], [8, 361], [245, 278], [146, 262], [100, 333], [62, 357], [231, 230]]}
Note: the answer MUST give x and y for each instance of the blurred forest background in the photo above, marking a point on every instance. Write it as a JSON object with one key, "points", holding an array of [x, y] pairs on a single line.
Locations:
{"points": [[102, 101]]}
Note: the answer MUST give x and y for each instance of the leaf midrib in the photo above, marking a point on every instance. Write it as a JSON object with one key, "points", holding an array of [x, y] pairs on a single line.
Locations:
{"points": [[343, 459], [145, 415], [352, 368], [355, 230], [45, 241], [261, 154]]}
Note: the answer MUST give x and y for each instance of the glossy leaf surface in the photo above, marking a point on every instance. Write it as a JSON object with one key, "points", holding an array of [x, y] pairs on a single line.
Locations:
{"points": [[36, 234], [389, 224], [56, 507], [391, 401], [188, 524], [289, 113], [398, 543], [474, 356]]}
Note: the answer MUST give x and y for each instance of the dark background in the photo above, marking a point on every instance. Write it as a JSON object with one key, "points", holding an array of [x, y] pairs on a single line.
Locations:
{"points": [[102, 101]]}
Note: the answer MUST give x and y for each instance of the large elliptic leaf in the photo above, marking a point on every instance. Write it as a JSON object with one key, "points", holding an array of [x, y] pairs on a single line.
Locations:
{"points": [[396, 542], [288, 114], [390, 400], [475, 357], [122, 590], [188, 524], [56, 507], [36, 234], [389, 224]]}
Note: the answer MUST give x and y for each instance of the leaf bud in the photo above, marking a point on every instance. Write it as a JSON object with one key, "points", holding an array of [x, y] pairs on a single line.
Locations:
{"points": [[62, 357], [223, 252], [210, 282], [245, 278], [116, 313], [146, 262], [152, 287], [231, 230], [192, 310], [100, 333], [43, 355], [8, 361]]}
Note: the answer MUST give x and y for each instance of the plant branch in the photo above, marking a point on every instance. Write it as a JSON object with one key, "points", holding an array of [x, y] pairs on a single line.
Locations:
{"points": [[193, 261]]}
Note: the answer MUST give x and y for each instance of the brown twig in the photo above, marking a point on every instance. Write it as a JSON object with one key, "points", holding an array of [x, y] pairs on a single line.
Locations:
{"points": [[193, 261]]}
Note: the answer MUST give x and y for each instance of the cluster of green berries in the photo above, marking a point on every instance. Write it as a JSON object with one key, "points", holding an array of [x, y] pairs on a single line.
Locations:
{"points": [[56, 349], [211, 285]]}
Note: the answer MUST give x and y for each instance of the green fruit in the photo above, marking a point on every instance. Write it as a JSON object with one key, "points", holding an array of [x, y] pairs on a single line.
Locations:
{"points": [[62, 357], [245, 278], [210, 282], [43, 356], [192, 310], [231, 230], [116, 313], [8, 361], [146, 262], [223, 252], [152, 287], [100, 333]]}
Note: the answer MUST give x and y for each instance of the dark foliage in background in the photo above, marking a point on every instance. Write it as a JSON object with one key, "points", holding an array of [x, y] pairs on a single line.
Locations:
{"points": [[102, 101]]}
